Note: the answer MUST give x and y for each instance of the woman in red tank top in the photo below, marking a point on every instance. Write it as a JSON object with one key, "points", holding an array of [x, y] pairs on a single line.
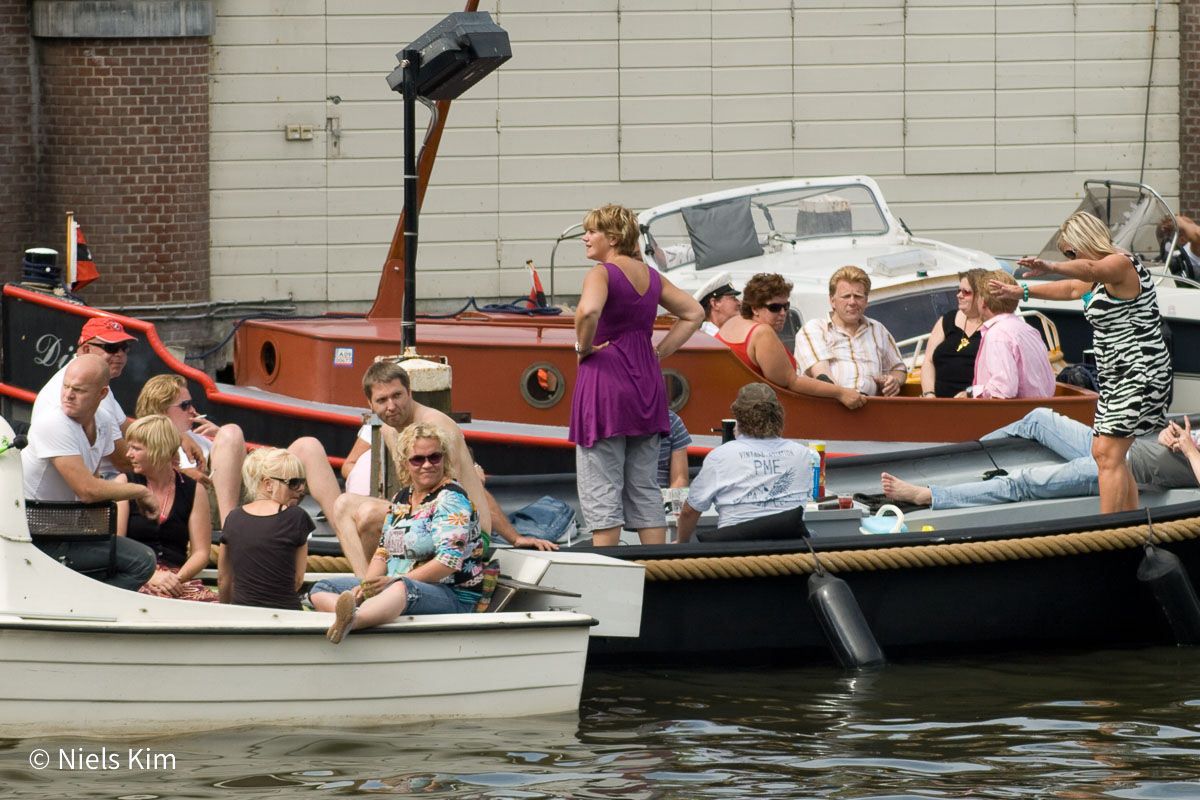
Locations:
{"points": [[754, 339]]}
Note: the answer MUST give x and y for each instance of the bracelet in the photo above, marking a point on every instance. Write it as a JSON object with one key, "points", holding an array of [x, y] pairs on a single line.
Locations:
{"points": [[1025, 291], [928, 394]]}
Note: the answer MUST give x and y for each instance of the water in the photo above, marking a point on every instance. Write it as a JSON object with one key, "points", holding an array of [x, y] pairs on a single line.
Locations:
{"points": [[1113, 724]]}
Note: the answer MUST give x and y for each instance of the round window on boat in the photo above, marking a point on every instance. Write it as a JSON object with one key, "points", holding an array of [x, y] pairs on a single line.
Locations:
{"points": [[268, 359], [679, 391], [542, 385]]}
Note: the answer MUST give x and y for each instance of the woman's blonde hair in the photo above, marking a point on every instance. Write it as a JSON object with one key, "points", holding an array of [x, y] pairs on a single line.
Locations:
{"points": [[268, 462], [158, 435], [157, 394], [409, 437], [1085, 233], [618, 222]]}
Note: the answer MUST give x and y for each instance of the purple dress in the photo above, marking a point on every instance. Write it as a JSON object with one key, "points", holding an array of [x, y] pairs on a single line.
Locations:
{"points": [[619, 390]]}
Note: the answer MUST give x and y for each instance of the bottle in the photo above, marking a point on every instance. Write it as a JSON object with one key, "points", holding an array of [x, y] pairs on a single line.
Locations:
{"points": [[818, 470]]}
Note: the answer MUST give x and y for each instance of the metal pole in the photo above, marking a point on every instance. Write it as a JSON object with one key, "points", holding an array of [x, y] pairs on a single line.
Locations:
{"points": [[408, 322]]}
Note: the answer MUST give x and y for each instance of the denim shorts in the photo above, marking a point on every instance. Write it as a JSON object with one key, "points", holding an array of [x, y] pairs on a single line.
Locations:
{"points": [[423, 598]]}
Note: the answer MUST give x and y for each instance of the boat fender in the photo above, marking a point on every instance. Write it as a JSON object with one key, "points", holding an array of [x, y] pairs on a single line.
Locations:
{"points": [[1173, 589], [841, 619], [881, 524]]}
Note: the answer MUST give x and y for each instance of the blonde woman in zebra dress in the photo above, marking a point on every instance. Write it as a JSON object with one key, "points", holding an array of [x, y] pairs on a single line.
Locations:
{"points": [[1131, 357]]}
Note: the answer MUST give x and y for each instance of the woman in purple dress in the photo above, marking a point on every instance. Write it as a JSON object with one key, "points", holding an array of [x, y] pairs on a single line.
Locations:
{"points": [[619, 408]]}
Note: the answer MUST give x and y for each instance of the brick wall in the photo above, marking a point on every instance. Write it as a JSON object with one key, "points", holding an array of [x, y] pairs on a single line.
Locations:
{"points": [[1189, 107], [124, 135], [18, 174]]}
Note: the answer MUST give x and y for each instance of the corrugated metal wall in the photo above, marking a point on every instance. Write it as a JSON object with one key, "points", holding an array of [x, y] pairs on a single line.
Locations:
{"points": [[980, 119]]}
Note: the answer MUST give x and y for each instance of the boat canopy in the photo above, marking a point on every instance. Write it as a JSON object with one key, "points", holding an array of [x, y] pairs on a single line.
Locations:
{"points": [[722, 227]]}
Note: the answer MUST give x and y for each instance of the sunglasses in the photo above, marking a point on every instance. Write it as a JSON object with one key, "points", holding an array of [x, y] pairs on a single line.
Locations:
{"points": [[965, 292], [295, 484], [1069, 253], [419, 461], [183, 405], [112, 348], [775, 308]]}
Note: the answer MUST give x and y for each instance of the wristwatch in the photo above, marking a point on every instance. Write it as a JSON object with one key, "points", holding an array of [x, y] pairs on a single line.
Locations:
{"points": [[578, 349], [970, 391]]}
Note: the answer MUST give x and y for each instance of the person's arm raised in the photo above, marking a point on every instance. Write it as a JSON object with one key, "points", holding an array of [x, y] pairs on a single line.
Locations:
{"points": [[689, 313]]}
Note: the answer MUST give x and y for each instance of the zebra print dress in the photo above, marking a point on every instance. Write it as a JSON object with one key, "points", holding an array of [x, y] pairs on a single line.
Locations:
{"points": [[1132, 359]]}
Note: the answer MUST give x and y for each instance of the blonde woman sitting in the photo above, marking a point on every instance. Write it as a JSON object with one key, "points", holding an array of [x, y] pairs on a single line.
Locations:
{"points": [[182, 521], [430, 555], [264, 544]]}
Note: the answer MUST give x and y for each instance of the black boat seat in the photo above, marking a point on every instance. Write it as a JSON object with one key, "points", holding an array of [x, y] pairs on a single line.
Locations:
{"points": [[53, 522], [784, 525]]}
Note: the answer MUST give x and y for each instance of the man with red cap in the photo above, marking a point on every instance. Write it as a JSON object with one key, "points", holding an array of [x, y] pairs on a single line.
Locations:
{"points": [[107, 338]]}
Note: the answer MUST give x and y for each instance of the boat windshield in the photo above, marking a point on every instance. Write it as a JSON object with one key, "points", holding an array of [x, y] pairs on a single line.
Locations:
{"points": [[1132, 213], [786, 215]]}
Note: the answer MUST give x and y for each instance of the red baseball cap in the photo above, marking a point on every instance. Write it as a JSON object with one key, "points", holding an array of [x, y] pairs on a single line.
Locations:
{"points": [[105, 329]]}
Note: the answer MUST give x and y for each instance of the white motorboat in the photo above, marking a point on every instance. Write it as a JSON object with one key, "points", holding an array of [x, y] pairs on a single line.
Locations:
{"points": [[804, 229], [80, 657]]}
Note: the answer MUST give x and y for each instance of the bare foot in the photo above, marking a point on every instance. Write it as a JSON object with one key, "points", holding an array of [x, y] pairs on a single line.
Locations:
{"points": [[896, 489]]}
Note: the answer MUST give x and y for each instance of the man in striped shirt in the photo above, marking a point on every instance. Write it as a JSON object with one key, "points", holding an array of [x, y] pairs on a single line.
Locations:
{"points": [[848, 348]]}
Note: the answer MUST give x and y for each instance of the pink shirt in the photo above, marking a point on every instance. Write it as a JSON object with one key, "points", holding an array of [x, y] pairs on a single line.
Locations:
{"points": [[1012, 360]]}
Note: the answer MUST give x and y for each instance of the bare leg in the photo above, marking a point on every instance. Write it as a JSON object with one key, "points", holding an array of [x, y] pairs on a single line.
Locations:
{"points": [[322, 483], [378, 610], [324, 601], [653, 535], [348, 511], [225, 461], [607, 537], [1118, 489], [896, 489]]}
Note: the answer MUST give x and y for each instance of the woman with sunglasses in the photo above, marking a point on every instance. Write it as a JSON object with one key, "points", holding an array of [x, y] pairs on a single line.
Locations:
{"points": [[430, 556], [1131, 357], [754, 338], [181, 523], [949, 364], [264, 544]]}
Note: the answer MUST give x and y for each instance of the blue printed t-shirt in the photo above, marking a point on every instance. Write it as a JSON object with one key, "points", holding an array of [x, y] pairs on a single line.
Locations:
{"points": [[444, 528], [750, 478]]}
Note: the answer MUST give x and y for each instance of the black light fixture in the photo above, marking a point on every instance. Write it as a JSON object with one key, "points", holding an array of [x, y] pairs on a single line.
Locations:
{"points": [[440, 64]]}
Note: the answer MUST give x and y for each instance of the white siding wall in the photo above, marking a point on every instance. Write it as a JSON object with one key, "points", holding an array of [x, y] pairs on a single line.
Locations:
{"points": [[980, 118]]}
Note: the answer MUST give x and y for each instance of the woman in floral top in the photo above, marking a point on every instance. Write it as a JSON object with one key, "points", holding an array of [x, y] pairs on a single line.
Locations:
{"points": [[430, 556]]}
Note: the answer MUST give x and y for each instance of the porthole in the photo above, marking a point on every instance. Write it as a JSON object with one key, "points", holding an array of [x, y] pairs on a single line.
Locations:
{"points": [[268, 359], [679, 391], [542, 385]]}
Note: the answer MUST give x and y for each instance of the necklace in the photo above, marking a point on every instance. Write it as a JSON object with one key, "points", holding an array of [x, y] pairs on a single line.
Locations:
{"points": [[165, 498]]}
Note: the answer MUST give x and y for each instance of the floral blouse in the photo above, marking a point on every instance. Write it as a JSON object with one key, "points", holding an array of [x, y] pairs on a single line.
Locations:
{"points": [[444, 528]]}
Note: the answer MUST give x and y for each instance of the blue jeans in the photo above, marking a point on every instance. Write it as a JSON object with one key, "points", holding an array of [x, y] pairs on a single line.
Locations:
{"points": [[423, 598], [135, 561], [1076, 478]]}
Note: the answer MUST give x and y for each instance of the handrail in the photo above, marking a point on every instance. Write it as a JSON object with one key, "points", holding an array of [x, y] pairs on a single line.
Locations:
{"points": [[1173, 277], [569, 233]]}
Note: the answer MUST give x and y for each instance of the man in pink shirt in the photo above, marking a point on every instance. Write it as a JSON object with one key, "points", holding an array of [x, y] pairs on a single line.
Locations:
{"points": [[1012, 360]]}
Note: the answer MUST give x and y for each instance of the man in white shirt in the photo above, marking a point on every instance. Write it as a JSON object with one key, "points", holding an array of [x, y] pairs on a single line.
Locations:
{"points": [[758, 474], [108, 339], [66, 443], [847, 347], [720, 302]]}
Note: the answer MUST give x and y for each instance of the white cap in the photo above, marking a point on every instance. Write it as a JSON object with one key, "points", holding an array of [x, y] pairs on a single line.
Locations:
{"points": [[721, 283]]}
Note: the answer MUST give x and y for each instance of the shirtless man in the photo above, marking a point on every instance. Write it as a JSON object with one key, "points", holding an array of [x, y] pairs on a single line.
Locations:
{"points": [[357, 520]]}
